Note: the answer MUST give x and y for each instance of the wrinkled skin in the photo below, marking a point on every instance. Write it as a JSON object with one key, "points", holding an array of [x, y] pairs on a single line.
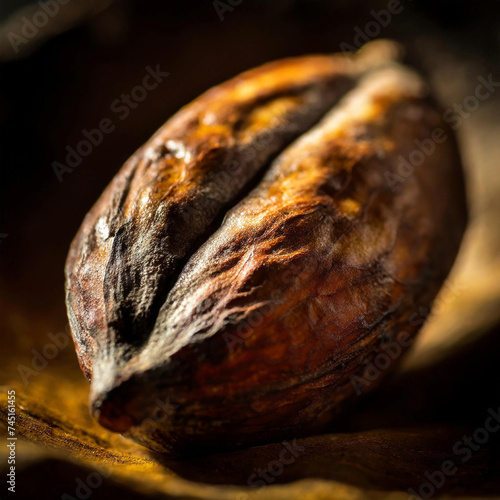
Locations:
{"points": [[254, 329], [134, 242]]}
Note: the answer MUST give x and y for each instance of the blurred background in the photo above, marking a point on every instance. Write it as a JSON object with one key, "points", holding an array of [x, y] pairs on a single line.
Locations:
{"points": [[65, 65]]}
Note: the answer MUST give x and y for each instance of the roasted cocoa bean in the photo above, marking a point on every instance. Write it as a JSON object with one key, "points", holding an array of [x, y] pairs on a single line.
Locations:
{"points": [[245, 277]]}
